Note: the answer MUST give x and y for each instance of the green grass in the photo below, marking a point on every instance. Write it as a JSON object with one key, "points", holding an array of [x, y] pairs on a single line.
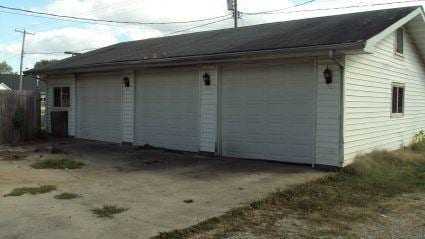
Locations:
{"points": [[31, 190], [67, 196], [64, 163], [108, 211], [331, 203]]}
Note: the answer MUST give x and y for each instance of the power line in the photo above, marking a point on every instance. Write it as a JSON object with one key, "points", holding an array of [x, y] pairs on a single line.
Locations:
{"points": [[108, 21], [58, 52], [334, 8], [191, 28], [125, 3], [276, 10]]}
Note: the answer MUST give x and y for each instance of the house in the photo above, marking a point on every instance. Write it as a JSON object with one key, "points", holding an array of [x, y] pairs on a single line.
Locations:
{"points": [[313, 91], [28, 83]]}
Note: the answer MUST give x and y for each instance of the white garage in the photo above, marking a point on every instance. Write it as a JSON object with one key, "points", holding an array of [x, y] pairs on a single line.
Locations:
{"points": [[99, 107], [167, 108], [268, 111]]}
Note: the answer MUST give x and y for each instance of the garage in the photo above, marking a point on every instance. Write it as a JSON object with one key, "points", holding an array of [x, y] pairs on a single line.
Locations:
{"points": [[167, 108], [99, 107], [267, 111]]}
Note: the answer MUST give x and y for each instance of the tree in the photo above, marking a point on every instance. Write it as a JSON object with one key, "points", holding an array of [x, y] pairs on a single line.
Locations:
{"points": [[41, 63], [5, 68]]}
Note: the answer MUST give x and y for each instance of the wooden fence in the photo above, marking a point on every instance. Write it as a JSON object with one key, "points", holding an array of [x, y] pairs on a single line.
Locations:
{"points": [[20, 116]]}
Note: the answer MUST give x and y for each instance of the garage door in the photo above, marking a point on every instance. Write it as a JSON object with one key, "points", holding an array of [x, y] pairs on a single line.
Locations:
{"points": [[99, 107], [268, 112], [167, 108]]}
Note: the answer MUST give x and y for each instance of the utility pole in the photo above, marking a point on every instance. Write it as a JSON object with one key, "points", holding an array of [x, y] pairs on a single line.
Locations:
{"points": [[235, 12], [232, 5], [24, 33]]}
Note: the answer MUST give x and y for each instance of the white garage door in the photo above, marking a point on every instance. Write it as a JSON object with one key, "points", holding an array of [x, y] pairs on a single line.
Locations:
{"points": [[99, 107], [167, 108], [268, 112]]}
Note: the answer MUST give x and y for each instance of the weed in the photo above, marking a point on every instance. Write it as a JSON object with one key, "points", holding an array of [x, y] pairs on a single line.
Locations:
{"points": [[108, 211], [31, 190], [332, 202], [67, 196], [64, 163]]}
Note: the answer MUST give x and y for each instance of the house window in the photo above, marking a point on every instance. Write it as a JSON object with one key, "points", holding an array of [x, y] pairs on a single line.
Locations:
{"points": [[61, 97], [397, 108], [399, 41]]}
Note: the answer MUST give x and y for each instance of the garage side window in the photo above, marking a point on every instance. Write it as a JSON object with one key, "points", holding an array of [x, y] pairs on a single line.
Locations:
{"points": [[61, 96], [399, 41], [397, 100]]}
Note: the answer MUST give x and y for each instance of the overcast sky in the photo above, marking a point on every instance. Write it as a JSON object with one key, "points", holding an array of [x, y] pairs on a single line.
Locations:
{"points": [[59, 36]]}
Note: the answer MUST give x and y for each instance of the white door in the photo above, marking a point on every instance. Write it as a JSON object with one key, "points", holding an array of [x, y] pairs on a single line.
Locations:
{"points": [[268, 112], [99, 107], [167, 108]]}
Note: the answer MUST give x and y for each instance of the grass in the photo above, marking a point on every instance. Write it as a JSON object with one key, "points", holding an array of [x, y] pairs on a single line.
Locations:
{"points": [[329, 205], [8, 155], [67, 196], [108, 211], [31, 190], [64, 163]]}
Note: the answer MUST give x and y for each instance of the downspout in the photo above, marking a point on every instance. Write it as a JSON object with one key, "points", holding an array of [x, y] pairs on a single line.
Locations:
{"points": [[341, 65]]}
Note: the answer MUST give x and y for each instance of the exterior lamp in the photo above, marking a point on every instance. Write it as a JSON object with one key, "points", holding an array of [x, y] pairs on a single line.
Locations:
{"points": [[328, 75], [206, 78], [126, 81]]}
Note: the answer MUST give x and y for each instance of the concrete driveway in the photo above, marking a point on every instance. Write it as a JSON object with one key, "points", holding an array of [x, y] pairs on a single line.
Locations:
{"points": [[153, 184]]}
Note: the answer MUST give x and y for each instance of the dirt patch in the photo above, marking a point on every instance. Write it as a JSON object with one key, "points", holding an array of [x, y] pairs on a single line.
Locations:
{"points": [[8, 155], [64, 163]]}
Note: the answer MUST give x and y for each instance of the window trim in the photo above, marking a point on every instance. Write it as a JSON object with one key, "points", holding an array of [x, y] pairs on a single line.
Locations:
{"points": [[398, 85], [53, 97], [396, 42]]}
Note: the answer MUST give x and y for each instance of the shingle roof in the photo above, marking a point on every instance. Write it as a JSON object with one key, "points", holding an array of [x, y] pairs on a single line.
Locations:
{"points": [[354, 28], [28, 82]]}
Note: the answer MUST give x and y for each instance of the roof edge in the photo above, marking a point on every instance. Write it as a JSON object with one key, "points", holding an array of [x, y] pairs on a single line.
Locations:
{"points": [[370, 44], [359, 45]]}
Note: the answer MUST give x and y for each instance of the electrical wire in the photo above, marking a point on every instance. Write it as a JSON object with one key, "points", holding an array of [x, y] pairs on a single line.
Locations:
{"points": [[58, 52], [108, 21], [191, 28], [334, 8], [48, 22], [276, 10]]}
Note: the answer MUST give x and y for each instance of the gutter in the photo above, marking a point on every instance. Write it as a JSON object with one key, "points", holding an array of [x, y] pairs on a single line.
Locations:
{"points": [[332, 56], [123, 64]]}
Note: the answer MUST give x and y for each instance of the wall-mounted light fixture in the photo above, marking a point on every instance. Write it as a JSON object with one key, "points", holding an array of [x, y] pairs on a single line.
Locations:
{"points": [[328, 75], [206, 78], [126, 81]]}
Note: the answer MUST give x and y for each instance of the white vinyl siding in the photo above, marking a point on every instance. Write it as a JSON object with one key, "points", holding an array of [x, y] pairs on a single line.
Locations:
{"points": [[208, 118], [61, 81], [328, 115], [267, 111], [167, 108], [369, 79], [99, 107]]}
